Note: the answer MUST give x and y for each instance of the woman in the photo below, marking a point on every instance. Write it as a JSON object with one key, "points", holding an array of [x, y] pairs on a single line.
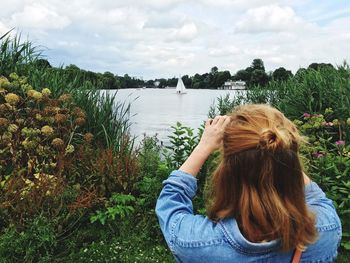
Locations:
{"points": [[263, 207]]}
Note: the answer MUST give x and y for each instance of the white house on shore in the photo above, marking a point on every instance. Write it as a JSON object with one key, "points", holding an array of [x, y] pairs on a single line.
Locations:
{"points": [[234, 85]]}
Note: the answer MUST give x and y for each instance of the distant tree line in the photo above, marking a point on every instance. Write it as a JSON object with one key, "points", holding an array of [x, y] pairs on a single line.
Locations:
{"points": [[254, 75]]}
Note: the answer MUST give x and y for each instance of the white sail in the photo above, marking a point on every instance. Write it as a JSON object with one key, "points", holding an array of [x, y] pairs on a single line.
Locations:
{"points": [[180, 87]]}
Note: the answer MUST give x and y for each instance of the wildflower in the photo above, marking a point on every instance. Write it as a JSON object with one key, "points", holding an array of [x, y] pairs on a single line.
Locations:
{"points": [[69, 148], [327, 124], [88, 137], [79, 121], [14, 76], [306, 115], [3, 107], [340, 143], [4, 82], [328, 110], [12, 128], [78, 112], [12, 98], [6, 137], [37, 95], [3, 122], [2, 91], [57, 143], [46, 92], [318, 154], [30, 93], [348, 121], [20, 121], [28, 144], [60, 118], [28, 132], [47, 130], [65, 98], [38, 117], [336, 122]]}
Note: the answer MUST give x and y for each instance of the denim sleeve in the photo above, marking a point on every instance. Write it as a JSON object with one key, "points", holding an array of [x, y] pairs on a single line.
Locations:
{"points": [[175, 201], [322, 205], [314, 196]]}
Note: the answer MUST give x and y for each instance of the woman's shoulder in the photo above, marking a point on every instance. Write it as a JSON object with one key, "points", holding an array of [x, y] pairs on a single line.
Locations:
{"points": [[197, 230]]}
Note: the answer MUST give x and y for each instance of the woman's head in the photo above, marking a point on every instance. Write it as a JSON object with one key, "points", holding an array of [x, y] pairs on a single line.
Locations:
{"points": [[259, 180]]}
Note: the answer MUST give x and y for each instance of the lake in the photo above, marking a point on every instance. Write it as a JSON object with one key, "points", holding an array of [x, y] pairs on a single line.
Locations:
{"points": [[154, 111]]}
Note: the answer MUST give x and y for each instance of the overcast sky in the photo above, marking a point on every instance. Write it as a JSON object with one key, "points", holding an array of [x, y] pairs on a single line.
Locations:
{"points": [[166, 38]]}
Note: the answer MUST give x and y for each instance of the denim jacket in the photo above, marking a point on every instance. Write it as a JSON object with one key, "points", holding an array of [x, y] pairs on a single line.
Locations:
{"points": [[196, 238]]}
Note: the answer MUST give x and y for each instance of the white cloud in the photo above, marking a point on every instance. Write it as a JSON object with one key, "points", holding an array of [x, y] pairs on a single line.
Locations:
{"points": [[187, 32], [163, 38], [223, 51], [39, 17], [271, 18], [3, 29]]}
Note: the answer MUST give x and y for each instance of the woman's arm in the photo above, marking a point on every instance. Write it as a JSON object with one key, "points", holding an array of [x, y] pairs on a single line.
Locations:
{"points": [[211, 140]]}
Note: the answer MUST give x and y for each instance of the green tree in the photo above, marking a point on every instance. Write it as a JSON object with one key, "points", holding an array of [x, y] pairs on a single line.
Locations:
{"points": [[259, 77], [281, 74], [258, 64]]}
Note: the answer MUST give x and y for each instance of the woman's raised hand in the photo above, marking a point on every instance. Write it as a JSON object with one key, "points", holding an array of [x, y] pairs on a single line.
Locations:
{"points": [[211, 139]]}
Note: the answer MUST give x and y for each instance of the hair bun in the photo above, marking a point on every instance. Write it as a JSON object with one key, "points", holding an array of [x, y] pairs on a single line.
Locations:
{"points": [[269, 140]]}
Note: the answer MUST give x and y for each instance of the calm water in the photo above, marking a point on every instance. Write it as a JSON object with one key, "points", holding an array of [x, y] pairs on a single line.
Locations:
{"points": [[153, 111]]}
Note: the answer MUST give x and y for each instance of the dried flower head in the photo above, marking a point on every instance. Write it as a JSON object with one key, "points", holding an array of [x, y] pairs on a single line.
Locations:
{"points": [[12, 128], [78, 112], [88, 137], [6, 138], [30, 93], [46, 92], [57, 143], [46, 130], [60, 118], [4, 122], [20, 121], [30, 132], [65, 98], [79, 121], [29, 144], [69, 148], [2, 91], [12, 99], [4, 82], [3, 107], [37, 95], [38, 117]]}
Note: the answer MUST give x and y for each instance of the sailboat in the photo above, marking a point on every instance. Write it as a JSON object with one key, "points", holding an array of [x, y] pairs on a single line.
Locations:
{"points": [[180, 87]]}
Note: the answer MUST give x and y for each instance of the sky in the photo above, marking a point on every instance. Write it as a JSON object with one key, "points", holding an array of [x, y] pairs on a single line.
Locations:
{"points": [[165, 38]]}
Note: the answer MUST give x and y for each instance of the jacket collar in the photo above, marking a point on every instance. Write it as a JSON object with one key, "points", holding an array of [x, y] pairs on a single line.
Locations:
{"points": [[231, 230]]}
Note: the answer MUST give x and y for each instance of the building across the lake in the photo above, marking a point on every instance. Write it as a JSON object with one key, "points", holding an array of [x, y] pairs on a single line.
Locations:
{"points": [[234, 85]]}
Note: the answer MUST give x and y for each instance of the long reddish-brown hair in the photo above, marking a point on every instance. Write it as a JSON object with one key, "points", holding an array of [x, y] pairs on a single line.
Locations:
{"points": [[259, 180]]}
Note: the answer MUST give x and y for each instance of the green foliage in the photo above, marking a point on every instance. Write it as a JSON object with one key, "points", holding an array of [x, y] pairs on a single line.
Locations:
{"points": [[119, 206], [327, 157], [32, 244], [182, 143], [313, 91], [128, 249]]}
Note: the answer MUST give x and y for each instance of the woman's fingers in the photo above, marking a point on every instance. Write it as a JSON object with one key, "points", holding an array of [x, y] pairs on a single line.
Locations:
{"points": [[208, 122], [226, 121]]}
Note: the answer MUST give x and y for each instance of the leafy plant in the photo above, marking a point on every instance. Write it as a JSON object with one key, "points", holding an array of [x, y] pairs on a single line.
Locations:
{"points": [[182, 143], [118, 206]]}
